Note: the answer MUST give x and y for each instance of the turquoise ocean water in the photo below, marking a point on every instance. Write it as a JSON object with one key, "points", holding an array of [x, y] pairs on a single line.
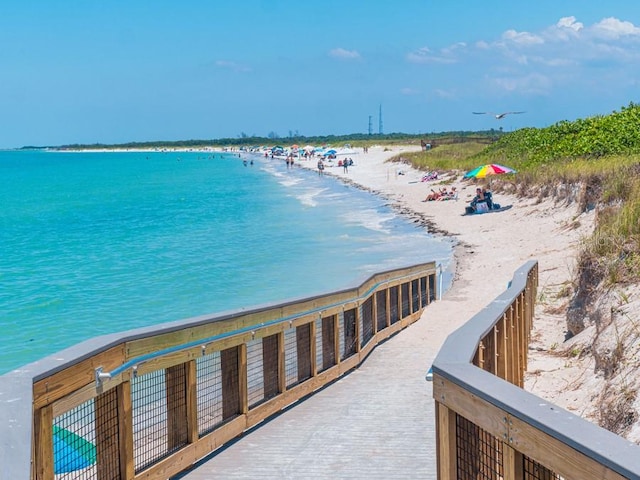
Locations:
{"points": [[96, 243]]}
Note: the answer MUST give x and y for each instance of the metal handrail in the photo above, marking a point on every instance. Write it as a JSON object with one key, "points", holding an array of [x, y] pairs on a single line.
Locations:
{"points": [[101, 376]]}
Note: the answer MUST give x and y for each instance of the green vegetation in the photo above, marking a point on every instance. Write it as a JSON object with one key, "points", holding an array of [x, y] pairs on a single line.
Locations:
{"points": [[597, 157]]}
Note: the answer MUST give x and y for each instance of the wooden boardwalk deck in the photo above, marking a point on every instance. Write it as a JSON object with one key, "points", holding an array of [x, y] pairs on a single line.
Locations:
{"points": [[376, 422]]}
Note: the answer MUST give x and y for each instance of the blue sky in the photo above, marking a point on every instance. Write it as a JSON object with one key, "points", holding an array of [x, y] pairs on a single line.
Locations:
{"points": [[119, 71]]}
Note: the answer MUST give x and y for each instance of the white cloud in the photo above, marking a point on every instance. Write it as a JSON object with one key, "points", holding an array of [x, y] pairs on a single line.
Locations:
{"points": [[236, 67], [344, 54], [567, 54], [522, 38], [409, 91], [424, 55], [442, 93], [533, 83], [570, 23], [612, 28]]}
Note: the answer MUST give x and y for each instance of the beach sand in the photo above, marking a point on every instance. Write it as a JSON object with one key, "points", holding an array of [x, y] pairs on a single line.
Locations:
{"points": [[489, 248]]}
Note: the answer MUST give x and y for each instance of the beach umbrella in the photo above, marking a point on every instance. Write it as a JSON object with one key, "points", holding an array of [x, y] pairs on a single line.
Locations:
{"points": [[71, 451], [489, 169]]}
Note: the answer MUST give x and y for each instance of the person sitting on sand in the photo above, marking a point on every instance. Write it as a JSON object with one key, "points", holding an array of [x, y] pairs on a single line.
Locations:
{"points": [[448, 195], [478, 198], [432, 196], [487, 198]]}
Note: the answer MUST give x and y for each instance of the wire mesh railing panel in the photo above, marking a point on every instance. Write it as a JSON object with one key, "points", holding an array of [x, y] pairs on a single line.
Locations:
{"points": [[341, 343], [424, 299], [328, 342], [255, 373], [149, 405], [74, 448], [290, 357], [350, 338], [319, 345], [209, 392], [415, 295], [381, 310], [534, 471], [479, 454], [432, 288], [406, 301], [367, 320], [303, 341], [393, 304]]}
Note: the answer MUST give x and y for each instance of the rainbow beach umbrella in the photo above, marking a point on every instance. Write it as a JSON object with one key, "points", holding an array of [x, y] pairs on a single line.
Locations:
{"points": [[489, 169]]}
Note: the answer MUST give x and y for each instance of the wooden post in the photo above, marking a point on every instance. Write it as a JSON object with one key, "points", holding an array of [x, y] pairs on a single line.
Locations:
{"points": [[43, 428], [282, 367], [446, 442], [513, 463], [336, 339], [125, 430], [243, 387], [313, 347], [501, 355], [192, 401]]}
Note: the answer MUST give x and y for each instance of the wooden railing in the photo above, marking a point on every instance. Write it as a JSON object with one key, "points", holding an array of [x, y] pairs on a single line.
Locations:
{"points": [[488, 427], [151, 402]]}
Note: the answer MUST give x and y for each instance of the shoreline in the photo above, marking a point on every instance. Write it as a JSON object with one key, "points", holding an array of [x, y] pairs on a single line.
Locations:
{"points": [[487, 249]]}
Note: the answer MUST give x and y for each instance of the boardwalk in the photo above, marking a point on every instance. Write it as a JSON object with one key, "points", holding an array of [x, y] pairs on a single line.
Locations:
{"points": [[375, 423]]}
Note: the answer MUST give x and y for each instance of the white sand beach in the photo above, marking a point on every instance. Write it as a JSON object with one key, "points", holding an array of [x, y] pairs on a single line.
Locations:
{"points": [[490, 247]]}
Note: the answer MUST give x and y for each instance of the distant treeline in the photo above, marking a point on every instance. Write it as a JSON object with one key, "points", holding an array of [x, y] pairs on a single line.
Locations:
{"points": [[487, 136]]}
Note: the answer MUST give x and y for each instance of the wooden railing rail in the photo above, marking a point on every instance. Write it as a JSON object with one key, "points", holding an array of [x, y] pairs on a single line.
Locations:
{"points": [[489, 427], [151, 402]]}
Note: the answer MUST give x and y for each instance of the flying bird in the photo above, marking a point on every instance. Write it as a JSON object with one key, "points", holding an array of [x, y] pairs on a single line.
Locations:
{"points": [[499, 116]]}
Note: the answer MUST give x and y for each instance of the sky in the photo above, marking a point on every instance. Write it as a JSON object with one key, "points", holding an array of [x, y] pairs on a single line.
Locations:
{"points": [[116, 71]]}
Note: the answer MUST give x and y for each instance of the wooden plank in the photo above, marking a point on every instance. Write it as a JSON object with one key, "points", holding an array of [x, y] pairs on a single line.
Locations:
{"points": [[43, 430], [501, 355], [243, 388], [74, 399], [556, 455], [125, 431], [191, 373], [282, 366], [313, 334], [69, 380], [521, 436], [445, 442], [182, 459], [482, 413], [513, 463]]}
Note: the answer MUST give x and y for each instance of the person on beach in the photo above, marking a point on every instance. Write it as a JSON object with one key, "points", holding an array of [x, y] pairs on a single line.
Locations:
{"points": [[345, 166], [320, 167], [433, 196]]}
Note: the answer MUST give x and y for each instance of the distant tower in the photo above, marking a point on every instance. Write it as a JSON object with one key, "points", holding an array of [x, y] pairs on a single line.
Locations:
{"points": [[370, 126], [380, 120]]}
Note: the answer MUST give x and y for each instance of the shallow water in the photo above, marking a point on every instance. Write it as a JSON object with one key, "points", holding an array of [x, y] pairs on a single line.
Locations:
{"points": [[97, 243]]}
